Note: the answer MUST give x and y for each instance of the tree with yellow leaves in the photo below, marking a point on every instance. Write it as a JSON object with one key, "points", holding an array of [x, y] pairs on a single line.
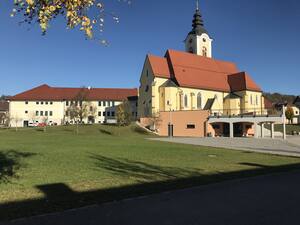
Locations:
{"points": [[77, 13]]}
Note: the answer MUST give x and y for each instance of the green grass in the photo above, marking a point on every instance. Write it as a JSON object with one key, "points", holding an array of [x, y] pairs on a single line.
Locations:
{"points": [[289, 128], [58, 169]]}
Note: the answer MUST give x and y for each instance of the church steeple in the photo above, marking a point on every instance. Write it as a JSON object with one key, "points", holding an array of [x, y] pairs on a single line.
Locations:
{"points": [[198, 40], [198, 24]]}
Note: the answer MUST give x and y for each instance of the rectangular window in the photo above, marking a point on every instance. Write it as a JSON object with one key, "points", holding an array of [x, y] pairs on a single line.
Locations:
{"points": [[104, 103], [113, 114], [46, 103], [91, 108], [50, 113], [51, 103], [104, 113], [46, 113], [26, 102], [37, 103], [108, 113], [99, 113], [99, 103], [190, 126], [113, 103], [26, 112], [41, 113], [36, 113], [42, 103], [67, 113], [67, 103]]}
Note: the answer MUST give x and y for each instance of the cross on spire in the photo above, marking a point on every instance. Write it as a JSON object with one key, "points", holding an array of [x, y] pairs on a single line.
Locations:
{"points": [[197, 4]]}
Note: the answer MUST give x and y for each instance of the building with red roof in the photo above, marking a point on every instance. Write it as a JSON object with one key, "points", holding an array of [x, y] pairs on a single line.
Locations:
{"points": [[56, 105], [192, 80]]}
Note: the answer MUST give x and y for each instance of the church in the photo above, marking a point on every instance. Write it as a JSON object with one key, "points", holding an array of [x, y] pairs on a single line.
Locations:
{"points": [[182, 85]]}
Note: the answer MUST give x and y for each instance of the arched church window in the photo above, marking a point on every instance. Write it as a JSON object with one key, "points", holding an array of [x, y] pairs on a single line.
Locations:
{"points": [[256, 100], [199, 101], [185, 101], [204, 51], [251, 99]]}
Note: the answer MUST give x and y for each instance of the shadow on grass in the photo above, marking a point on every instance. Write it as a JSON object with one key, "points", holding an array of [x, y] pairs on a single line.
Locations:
{"points": [[103, 131], [141, 171], [10, 163], [156, 179]]}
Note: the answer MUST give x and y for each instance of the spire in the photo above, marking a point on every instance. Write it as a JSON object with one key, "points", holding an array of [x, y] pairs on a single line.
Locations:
{"points": [[198, 24]]}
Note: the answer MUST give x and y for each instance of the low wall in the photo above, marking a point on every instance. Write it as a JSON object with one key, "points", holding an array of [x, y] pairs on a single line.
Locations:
{"points": [[185, 123]]}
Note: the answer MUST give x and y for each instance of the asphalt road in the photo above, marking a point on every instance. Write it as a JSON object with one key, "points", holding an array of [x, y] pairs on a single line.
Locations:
{"points": [[265, 200]]}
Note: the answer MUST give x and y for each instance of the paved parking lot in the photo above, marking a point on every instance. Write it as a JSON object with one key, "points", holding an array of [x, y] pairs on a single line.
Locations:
{"points": [[289, 147]]}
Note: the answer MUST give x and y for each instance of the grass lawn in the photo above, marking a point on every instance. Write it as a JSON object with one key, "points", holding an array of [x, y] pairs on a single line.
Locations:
{"points": [[58, 169], [289, 128]]}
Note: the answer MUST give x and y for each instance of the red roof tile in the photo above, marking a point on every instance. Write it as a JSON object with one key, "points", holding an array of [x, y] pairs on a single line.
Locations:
{"points": [[159, 66], [190, 70], [45, 92]]}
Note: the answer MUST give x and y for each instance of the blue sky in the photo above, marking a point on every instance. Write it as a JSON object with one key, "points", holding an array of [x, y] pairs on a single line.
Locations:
{"points": [[262, 37]]}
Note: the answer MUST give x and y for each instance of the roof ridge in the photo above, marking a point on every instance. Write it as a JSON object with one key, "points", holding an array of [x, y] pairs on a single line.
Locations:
{"points": [[200, 56], [191, 67]]}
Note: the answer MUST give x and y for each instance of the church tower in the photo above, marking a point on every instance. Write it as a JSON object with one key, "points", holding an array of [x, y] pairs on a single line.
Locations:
{"points": [[198, 41]]}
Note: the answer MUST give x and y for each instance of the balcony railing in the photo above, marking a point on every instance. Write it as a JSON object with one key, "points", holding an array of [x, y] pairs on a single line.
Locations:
{"points": [[248, 112]]}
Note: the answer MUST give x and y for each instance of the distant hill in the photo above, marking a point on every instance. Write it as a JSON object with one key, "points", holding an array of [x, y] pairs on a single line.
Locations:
{"points": [[277, 97]]}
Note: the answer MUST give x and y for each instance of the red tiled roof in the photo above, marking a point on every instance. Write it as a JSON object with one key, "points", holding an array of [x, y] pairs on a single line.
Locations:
{"points": [[242, 81], [190, 70], [159, 66], [45, 92]]}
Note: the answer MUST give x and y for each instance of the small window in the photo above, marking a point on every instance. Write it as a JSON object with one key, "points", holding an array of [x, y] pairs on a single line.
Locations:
{"points": [[37, 103], [67, 103], [26, 112], [190, 126], [108, 103], [51, 103], [147, 73], [113, 114], [204, 51], [50, 113], [46, 113], [46, 103], [104, 103], [256, 100], [103, 113], [113, 103], [26, 102], [108, 113], [42, 103], [186, 101], [147, 88], [91, 108], [99, 113], [41, 113], [99, 103], [36, 113], [204, 40]]}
